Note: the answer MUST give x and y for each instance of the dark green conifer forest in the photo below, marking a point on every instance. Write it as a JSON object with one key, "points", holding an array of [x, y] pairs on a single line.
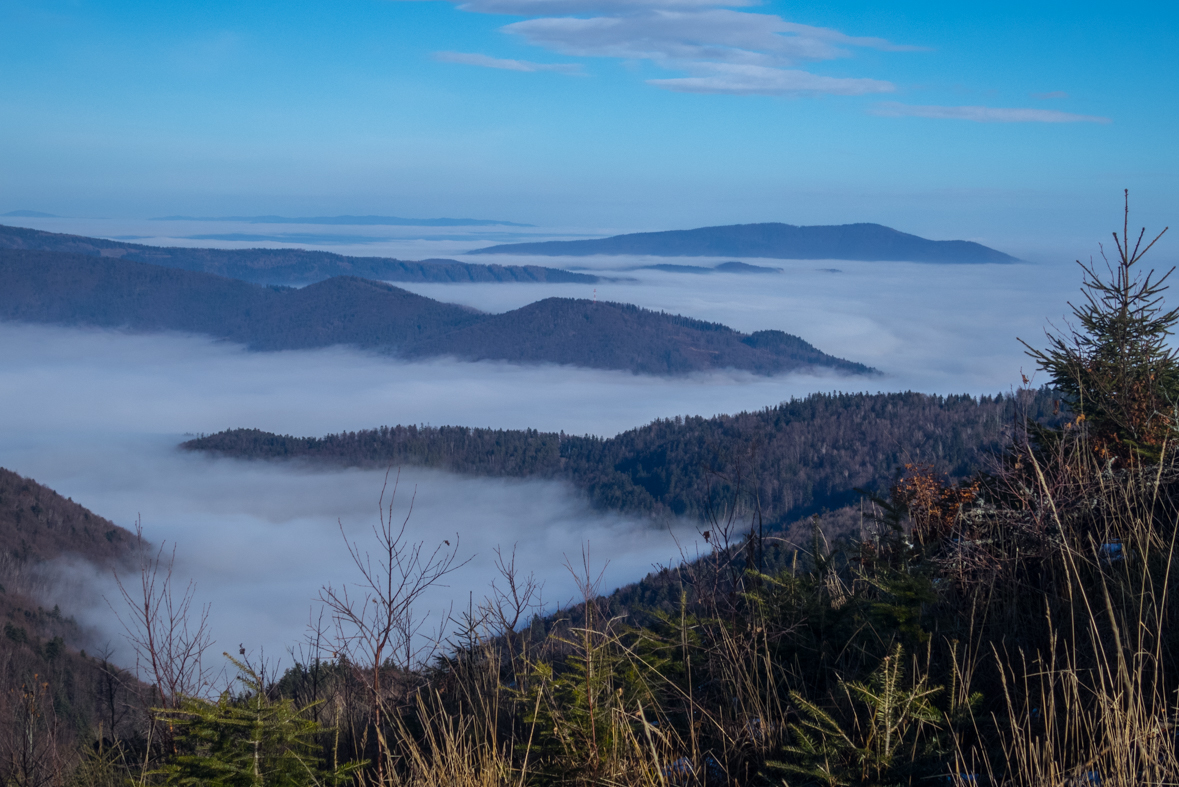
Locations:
{"points": [[788, 461]]}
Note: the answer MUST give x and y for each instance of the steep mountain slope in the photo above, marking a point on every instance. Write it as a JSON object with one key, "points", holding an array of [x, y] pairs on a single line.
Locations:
{"points": [[72, 289], [284, 266], [51, 691], [871, 242], [37, 524]]}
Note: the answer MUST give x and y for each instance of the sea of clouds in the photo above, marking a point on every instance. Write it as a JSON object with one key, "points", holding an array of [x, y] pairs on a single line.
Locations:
{"points": [[97, 416]]}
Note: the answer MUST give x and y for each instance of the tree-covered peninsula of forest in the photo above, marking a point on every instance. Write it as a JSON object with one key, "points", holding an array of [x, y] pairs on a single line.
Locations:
{"points": [[798, 457]]}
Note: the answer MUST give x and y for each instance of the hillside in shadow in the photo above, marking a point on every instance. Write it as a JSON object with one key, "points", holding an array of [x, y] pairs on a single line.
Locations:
{"points": [[284, 266], [73, 289]]}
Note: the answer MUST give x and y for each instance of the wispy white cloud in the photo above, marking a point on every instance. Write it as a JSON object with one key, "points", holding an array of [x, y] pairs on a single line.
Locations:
{"points": [[703, 39], [759, 80], [486, 61], [685, 37], [983, 114], [1050, 95], [612, 7], [834, 36]]}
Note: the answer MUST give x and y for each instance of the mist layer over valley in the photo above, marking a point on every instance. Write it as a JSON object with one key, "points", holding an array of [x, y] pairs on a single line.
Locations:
{"points": [[97, 415], [938, 326]]}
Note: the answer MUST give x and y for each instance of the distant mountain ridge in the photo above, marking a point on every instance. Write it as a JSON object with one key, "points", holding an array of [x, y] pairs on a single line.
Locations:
{"points": [[724, 267], [285, 266], [73, 289], [356, 221], [867, 242]]}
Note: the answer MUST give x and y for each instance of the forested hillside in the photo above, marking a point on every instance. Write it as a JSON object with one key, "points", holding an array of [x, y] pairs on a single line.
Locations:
{"points": [[284, 266], [71, 289], [52, 695], [801, 456], [37, 524]]}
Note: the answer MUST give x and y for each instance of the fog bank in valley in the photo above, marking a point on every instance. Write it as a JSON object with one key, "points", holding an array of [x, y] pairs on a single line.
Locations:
{"points": [[96, 415], [932, 328], [260, 540]]}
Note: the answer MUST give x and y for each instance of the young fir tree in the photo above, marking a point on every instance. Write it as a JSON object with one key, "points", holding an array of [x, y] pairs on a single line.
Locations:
{"points": [[248, 741], [1115, 368]]}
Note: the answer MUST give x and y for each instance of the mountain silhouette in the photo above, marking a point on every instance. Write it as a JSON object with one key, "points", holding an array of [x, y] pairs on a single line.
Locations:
{"points": [[869, 242]]}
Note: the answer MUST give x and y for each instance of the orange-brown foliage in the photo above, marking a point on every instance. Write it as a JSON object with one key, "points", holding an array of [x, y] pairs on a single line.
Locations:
{"points": [[932, 502]]}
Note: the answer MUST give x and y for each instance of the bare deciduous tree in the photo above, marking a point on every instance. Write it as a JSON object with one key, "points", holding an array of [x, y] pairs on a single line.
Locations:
{"points": [[29, 733], [168, 636], [378, 626], [512, 600]]}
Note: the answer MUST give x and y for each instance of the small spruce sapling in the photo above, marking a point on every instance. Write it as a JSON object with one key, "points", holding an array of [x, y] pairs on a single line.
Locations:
{"points": [[1115, 368]]}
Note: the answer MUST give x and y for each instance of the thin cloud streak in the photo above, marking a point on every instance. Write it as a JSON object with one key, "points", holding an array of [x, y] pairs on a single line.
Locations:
{"points": [[983, 114], [758, 80], [486, 61], [868, 42], [569, 7]]}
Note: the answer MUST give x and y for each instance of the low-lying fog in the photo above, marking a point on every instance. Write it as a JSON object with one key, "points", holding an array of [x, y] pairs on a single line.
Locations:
{"points": [[96, 415], [933, 328]]}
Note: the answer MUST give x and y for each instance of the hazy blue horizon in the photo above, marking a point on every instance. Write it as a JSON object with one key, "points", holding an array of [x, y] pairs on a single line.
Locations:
{"points": [[423, 242], [1012, 124]]}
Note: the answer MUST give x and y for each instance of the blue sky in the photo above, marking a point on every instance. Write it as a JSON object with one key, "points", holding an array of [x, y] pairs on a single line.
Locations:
{"points": [[996, 121]]}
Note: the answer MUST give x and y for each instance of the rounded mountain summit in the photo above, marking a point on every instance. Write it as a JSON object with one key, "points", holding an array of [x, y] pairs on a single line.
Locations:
{"points": [[863, 242]]}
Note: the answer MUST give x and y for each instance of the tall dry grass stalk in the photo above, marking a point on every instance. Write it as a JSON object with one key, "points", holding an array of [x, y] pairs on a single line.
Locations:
{"points": [[591, 701], [449, 752], [1094, 702]]}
